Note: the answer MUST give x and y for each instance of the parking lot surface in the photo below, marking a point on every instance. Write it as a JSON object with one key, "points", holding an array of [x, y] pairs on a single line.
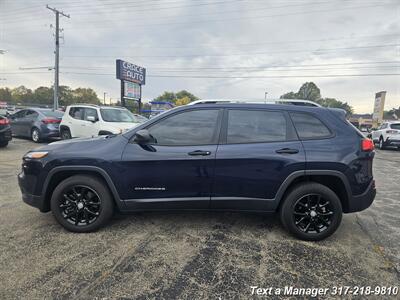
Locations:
{"points": [[191, 255]]}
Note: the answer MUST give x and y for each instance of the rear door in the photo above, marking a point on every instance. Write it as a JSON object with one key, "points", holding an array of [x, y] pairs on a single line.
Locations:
{"points": [[90, 128], [15, 120], [259, 150], [26, 123], [75, 121]]}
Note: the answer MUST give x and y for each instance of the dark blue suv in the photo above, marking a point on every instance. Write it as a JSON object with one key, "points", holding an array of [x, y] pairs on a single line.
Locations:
{"points": [[307, 163]]}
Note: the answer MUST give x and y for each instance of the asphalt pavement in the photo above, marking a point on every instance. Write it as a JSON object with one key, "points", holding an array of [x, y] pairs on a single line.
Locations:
{"points": [[191, 255]]}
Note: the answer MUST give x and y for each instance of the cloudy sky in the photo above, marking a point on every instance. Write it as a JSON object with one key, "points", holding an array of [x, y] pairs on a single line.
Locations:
{"points": [[212, 48]]}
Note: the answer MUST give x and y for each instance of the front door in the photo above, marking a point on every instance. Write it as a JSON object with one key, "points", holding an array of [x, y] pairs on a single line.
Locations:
{"points": [[176, 170], [258, 151]]}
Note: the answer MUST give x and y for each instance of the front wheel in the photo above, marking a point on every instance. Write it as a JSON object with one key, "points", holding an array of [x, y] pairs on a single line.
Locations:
{"points": [[82, 203], [311, 212]]}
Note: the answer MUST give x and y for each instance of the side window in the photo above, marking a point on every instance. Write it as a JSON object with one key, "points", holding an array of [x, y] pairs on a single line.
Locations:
{"points": [[30, 114], [76, 112], [247, 126], [19, 114], [309, 127], [384, 126], [90, 112], [197, 127]]}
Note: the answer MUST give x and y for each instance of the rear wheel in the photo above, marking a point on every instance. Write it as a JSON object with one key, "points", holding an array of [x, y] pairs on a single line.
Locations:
{"points": [[311, 212], [381, 143], [82, 203], [35, 135], [66, 134]]}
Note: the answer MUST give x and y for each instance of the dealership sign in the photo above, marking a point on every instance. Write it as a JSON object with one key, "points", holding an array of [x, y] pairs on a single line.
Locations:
{"points": [[379, 106], [130, 72], [132, 90]]}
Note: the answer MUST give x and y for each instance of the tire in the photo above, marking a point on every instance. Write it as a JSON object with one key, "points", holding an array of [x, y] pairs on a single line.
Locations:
{"points": [[66, 134], [3, 144], [381, 144], [302, 202], [35, 135], [82, 203]]}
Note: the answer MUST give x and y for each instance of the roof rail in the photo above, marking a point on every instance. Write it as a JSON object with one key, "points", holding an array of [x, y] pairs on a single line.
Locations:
{"points": [[299, 102]]}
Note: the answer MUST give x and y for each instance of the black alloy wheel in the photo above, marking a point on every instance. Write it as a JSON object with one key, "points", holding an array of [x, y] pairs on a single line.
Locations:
{"points": [[311, 211], [82, 203]]}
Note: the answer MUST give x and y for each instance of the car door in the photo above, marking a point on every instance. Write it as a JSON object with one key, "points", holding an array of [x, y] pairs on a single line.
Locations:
{"points": [[75, 121], [26, 123], [259, 149], [377, 133], [176, 170], [16, 120], [90, 128]]}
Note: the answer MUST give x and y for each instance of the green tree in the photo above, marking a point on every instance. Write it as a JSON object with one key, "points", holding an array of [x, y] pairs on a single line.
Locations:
{"points": [[182, 94], [166, 96], [310, 91], [22, 94], [43, 95], [5, 95], [182, 101], [85, 95]]}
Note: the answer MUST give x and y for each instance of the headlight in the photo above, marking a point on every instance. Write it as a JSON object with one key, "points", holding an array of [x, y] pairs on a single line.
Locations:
{"points": [[36, 154]]}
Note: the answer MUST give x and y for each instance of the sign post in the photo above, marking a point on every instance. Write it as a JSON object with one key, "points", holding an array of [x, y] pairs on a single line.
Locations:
{"points": [[132, 78], [379, 105]]}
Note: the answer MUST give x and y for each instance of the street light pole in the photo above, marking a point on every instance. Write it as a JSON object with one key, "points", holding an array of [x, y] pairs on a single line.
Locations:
{"points": [[265, 96], [104, 98]]}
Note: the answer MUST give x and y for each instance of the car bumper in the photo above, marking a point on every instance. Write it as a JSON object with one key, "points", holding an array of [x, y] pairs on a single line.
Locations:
{"points": [[392, 142], [25, 185], [5, 135], [363, 201]]}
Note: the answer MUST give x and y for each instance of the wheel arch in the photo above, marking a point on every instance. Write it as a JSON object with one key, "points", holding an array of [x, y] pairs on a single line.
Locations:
{"points": [[59, 174], [334, 180]]}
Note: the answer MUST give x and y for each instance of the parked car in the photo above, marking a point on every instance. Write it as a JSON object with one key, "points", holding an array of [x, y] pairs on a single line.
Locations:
{"points": [[36, 123], [388, 134], [92, 120], [5, 131], [306, 163]]}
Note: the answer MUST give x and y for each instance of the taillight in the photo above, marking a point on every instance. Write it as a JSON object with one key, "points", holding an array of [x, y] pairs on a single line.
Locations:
{"points": [[4, 121], [367, 145], [391, 131], [50, 121]]}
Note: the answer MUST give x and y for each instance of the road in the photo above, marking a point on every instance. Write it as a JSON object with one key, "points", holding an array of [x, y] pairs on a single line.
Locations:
{"points": [[192, 255]]}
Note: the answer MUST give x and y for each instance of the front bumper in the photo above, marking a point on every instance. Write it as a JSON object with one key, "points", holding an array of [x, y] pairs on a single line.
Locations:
{"points": [[363, 201], [25, 186]]}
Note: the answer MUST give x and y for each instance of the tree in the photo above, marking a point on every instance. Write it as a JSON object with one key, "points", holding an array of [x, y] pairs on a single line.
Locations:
{"points": [[182, 101], [310, 91], [21, 94], [5, 95], [174, 97], [166, 96], [85, 95], [43, 95]]}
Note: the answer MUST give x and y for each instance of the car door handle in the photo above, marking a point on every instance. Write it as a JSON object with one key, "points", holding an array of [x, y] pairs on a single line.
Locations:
{"points": [[199, 152], [287, 151]]}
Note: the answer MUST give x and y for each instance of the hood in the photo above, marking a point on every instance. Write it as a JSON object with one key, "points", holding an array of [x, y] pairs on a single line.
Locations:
{"points": [[122, 126]]}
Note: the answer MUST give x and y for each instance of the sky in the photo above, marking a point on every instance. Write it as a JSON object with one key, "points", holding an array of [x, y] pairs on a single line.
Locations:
{"points": [[213, 48]]}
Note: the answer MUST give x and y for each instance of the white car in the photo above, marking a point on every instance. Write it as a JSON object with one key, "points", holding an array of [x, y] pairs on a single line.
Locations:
{"points": [[388, 134], [86, 120]]}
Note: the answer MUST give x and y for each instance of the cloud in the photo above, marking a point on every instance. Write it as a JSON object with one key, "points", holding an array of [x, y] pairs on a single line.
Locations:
{"points": [[226, 36]]}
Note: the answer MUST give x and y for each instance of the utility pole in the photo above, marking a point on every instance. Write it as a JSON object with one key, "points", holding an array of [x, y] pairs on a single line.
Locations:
{"points": [[57, 54], [104, 98]]}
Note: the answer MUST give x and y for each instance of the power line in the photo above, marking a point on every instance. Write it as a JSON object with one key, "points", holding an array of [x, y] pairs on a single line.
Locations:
{"points": [[236, 54]]}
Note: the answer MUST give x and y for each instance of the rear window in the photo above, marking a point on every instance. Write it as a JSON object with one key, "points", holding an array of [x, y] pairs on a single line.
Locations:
{"points": [[309, 127], [246, 126], [52, 113], [395, 126]]}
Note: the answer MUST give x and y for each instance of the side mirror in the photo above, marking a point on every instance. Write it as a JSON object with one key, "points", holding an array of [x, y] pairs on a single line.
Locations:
{"points": [[143, 136], [91, 119]]}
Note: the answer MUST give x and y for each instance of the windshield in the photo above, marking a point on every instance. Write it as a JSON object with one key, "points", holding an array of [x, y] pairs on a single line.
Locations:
{"points": [[52, 113], [119, 115]]}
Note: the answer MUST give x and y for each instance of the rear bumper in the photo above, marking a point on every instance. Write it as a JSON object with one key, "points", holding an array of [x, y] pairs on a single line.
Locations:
{"points": [[5, 135], [392, 142], [363, 201]]}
